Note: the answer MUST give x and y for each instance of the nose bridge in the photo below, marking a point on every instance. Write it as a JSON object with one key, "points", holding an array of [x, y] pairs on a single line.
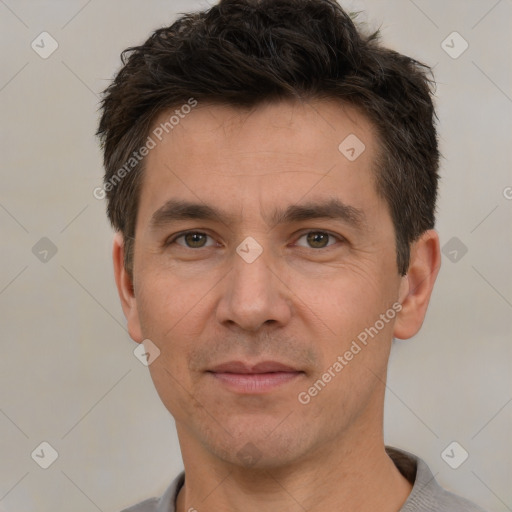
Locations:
{"points": [[253, 295]]}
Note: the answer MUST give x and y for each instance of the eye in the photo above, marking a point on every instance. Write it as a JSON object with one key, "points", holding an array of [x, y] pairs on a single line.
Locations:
{"points": [[318, 239], [192, 240]]}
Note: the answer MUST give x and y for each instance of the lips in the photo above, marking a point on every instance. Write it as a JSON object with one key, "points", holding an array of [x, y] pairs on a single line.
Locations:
{"points": [[243, 368], [252, 379]]}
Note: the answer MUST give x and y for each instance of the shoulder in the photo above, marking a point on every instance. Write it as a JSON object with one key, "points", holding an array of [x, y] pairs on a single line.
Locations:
{"points": [[426, 495], [166, 503], [449, 502], [436, 499], [149, 505]]}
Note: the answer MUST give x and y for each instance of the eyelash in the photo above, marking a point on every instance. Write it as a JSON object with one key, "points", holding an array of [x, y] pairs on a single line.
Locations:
{"points": [[173, 239]]}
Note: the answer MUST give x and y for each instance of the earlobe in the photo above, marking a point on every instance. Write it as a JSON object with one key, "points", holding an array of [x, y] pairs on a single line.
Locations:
{"points": [[125, 289], [416, 287]]}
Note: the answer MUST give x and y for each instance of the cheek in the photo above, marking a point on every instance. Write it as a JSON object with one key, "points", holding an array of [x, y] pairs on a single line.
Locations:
{"points": [[174, 325], [353, 371], [172, 315], [347, 300], [358, 311], [168, 301], [173, 387]]}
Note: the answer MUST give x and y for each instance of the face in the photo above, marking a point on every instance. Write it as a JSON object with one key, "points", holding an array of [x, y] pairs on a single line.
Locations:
{"points": [[263, 256]]}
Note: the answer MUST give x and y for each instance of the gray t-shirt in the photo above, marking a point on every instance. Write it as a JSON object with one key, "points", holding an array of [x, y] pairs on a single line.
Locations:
{"points": [[426, 494]]}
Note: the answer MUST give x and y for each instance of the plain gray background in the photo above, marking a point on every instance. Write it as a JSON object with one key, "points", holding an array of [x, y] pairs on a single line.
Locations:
{"points": [[67, 372]]}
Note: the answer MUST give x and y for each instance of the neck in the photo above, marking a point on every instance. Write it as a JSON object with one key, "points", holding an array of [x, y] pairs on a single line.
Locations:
{"points": [[353, 476]]}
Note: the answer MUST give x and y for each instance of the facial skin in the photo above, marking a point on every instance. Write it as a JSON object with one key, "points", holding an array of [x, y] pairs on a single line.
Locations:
{"points": [[302, 302]]}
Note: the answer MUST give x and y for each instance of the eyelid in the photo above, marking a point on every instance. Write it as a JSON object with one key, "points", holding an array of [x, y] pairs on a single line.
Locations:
{"points": [[338, 237], [172, 239]]}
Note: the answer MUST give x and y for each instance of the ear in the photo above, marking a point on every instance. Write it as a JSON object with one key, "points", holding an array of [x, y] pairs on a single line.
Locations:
{"points": [[125, 289], [416, 287]]}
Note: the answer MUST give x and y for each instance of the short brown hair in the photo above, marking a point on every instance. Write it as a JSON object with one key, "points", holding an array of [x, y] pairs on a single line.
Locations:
{"points": [[246, 52]]}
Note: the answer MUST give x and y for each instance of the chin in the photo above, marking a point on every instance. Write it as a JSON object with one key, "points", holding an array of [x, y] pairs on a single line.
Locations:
{"points": [[252, 449]]}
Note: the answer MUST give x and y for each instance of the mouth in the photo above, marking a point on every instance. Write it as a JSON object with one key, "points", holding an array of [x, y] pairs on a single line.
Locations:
{"points": [[262, 377]]}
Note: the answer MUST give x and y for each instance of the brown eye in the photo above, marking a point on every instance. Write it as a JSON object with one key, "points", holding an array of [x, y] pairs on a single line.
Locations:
{"points": [[193, 240], [317, 239]]}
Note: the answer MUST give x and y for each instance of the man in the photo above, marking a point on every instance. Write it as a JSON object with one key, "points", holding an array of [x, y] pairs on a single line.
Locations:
{"points": [[271, 173]]}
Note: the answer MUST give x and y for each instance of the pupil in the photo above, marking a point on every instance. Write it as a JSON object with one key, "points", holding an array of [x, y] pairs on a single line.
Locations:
{"points": [[316, 239], [195, 239]]}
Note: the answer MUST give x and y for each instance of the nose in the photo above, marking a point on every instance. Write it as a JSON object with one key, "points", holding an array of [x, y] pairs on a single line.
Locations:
{"points": [[254, 295]]}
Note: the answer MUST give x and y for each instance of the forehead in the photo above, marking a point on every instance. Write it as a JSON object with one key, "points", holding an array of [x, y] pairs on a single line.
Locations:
{"points": [[250, 159]]}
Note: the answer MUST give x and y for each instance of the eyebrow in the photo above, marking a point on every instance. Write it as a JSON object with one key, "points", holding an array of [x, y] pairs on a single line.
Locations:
{"points": [[179, 210]]}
